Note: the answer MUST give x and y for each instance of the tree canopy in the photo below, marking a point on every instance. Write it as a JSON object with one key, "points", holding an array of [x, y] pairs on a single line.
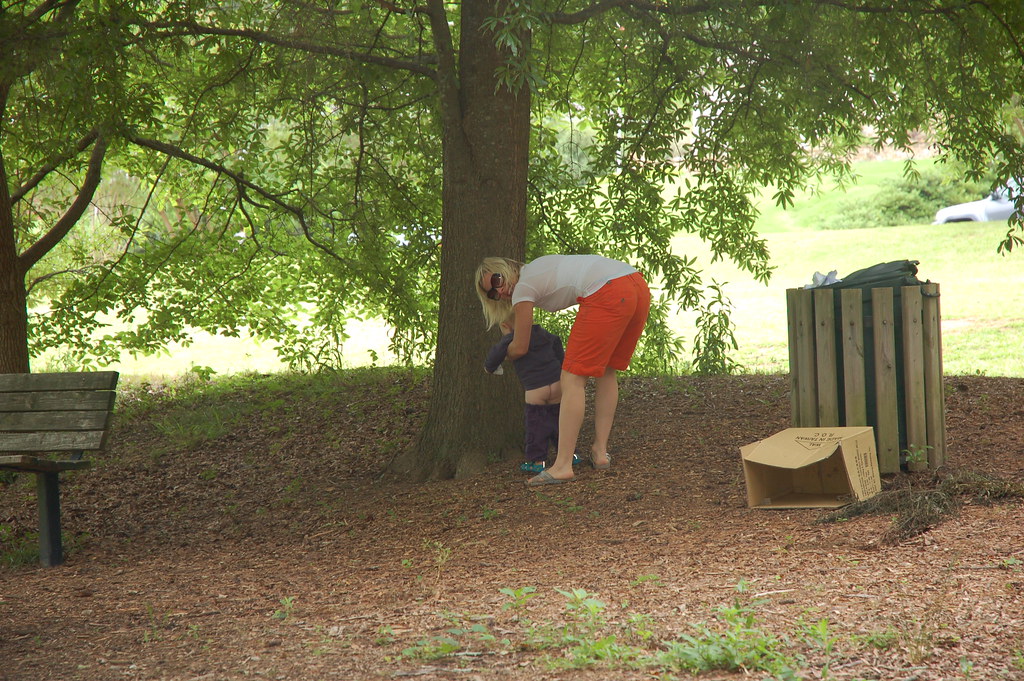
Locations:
{"points": [[285, 165]]}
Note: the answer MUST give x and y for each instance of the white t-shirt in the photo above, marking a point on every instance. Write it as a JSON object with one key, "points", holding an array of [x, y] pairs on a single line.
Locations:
{"points": [[555, 282]]}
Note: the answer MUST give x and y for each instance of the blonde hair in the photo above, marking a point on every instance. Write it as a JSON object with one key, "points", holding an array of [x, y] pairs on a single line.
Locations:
{"points": [[496, 311]]}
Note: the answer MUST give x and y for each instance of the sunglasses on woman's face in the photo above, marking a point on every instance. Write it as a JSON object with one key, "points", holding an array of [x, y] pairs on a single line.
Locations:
{"points": [[496, 282]]}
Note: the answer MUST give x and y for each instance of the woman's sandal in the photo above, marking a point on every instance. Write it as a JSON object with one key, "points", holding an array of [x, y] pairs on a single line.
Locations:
{"points": [[546, 478], [602, 466]]}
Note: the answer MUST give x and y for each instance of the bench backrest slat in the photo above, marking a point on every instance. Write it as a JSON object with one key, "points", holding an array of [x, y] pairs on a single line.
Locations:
{"points": [[93, 380], [57, 401], [86, 440], [21, 422]]}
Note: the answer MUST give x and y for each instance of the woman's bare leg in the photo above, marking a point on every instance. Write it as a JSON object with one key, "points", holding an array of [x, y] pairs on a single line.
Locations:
{"points": [[605, 402], [570, 420]]}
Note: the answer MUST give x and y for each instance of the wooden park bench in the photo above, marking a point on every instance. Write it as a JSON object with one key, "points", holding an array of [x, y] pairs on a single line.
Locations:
{"points": [[44, 414]]}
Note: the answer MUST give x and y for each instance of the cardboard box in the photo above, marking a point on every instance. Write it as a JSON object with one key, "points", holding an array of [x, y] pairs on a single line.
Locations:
{"points": [[812, 468]]}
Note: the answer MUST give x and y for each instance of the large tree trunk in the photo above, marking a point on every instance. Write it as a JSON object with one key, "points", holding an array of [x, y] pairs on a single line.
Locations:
{"points": [[13, 314], [473, 416], [13, 318]]}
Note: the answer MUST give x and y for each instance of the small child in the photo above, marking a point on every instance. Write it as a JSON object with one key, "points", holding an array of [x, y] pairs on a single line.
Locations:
{"points": [[540, 372]]}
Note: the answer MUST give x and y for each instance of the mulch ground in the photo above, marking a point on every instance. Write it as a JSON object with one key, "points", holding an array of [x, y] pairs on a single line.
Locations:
{"points": [[277, 551]]}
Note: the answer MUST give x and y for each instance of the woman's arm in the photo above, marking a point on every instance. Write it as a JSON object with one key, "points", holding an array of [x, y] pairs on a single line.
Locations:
{"points": [[520, 344]]}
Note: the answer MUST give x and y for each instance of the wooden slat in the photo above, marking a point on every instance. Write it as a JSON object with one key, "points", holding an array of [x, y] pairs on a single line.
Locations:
{"points": [[935, 394], [855, 410], [36, 464], [52, 442], [887, 432], [54, 421], [791, 324], [92, 380], [825, 345], [802, 333], [913, 380], [100, 400]]}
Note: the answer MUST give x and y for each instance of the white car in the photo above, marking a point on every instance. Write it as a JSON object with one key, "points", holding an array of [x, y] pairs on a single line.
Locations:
{"points": [[998, 205]]}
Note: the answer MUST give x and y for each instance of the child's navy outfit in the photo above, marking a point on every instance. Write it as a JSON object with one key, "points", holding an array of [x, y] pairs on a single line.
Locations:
{"points": [[540, 366]]}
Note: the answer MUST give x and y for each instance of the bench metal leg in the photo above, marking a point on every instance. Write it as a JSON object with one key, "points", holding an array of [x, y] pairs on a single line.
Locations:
{"points": [[51, 551]]}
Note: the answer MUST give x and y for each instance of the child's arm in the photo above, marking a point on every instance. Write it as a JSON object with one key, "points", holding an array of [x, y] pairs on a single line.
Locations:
{"points": [[497, 354]]}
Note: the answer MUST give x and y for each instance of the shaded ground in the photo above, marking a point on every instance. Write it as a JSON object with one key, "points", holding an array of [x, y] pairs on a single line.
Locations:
{"points": [[275, 551]]}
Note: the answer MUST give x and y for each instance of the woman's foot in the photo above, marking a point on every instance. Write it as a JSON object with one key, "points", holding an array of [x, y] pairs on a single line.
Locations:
{"points": [[601, 462]]}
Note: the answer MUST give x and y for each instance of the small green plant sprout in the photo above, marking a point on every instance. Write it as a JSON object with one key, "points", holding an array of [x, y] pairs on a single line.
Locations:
{"points": [[586, 610], [490, 513], [642, 579], [285, 611], [569, 505], [156, 624], [734, 642], [639, 627], [480, 632], [879, 640], [203, 373], [966, 668], [385, 635], [433, 648], [818, 635], [520, 597], [465, 632], [442, 554], [1018, 659], [1010, 563], [585, 639], [916, 454]]}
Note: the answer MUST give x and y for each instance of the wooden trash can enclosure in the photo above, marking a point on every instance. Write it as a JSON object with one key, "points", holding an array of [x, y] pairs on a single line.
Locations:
{"points": [[871, 357]]}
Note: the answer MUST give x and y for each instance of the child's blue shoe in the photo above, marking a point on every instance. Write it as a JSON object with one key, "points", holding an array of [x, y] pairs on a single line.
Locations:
{"points": [[536, 467]]}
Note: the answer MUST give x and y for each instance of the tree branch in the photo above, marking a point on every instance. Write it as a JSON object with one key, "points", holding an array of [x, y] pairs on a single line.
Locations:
{"points": [[447, 72], [241, 183], [54, 163], [193, 28], [93, 175], [46, 7], [53, 275]]}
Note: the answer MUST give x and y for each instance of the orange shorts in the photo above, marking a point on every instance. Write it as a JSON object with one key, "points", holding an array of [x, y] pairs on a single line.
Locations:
{"points": [[607, 327]]}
